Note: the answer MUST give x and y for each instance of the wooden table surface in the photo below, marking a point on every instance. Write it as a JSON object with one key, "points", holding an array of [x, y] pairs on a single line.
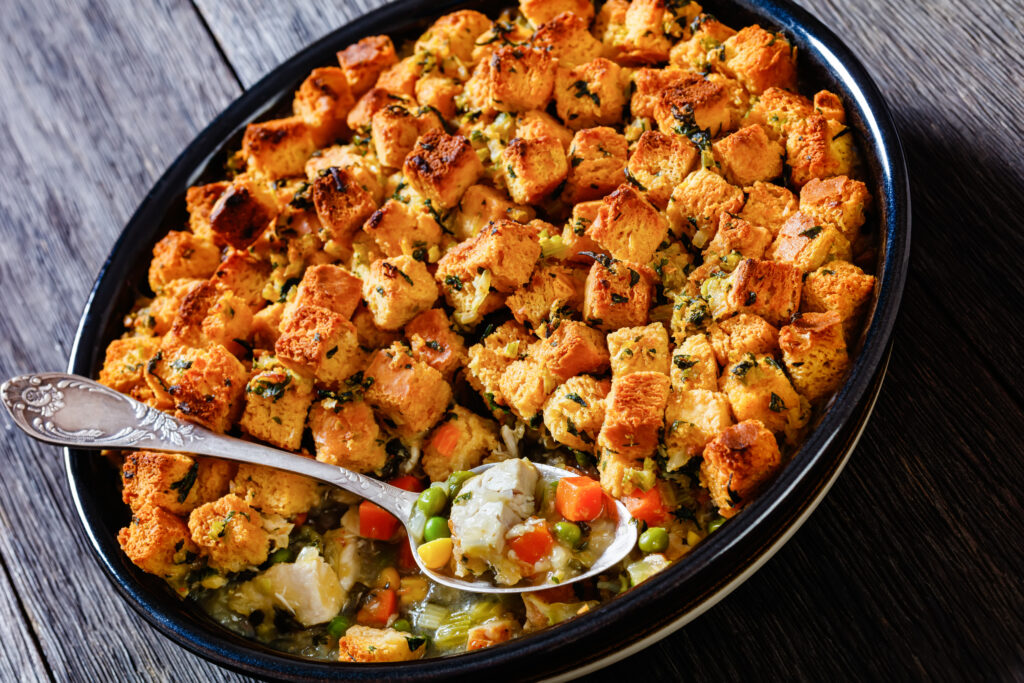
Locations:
{"points": [[911, 568]]}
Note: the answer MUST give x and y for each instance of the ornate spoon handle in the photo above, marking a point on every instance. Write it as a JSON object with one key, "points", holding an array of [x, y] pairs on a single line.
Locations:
{"points": [[68, 410]]}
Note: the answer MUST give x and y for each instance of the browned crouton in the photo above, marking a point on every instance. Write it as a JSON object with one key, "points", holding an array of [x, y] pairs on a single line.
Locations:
{"points": [[276, 402], [695, 102], [819, 148], [365, 644], [278, 148], [396, 128], [399, 228], [346, 434], [482, 204], [704, 50], [590, 94], [542, 11], [400, 78], [398, 289], [648, 86], [507, 249], [203, 385], [244, 275], [837, 203], [460, 442], [765, 288], [567, 38], [441, 167], [364, 61], [323, 102], [410, 393], [579, 248], [779, 112], [320, 344], [199, 201], [698, 203], [439, 92], [639, 349], [229, 534], [372, 101], [768, 206], [553, 289], [841, 287], [533, 168], [435, 343], [748, 155], [627, 226], [644, 41], [829, 105], [597, 158], [692, 418], [328, 286], [158, 543], [175, 482], [659, 164], [531, 125], [736, 236], [274, 492], [618, 294], [814, 352], [124, 365], [341, 205], [181, 255], [513, 78], [451, 39], [735, 337], [758, 389], [634, 414], [572, 348], [574, 413], [738, 463], [525, 385], [760, 60], [693, 365], [807, 245], [489, 358]]}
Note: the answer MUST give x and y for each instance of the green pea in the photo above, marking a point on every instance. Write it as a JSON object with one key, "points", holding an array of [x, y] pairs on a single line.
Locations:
{"points": [[436, 527], [337, 626], [455, 482], [431, 501], [402, 625], [281, 555], [568, 533], [715, 523], [654, 540]]}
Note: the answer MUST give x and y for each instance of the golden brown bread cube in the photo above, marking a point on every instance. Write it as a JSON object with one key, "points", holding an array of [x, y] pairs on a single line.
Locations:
{"points": [[451, 39], [230, 534], [513, 78], [553, 290], [203, 385], [525, 386], [474, 438], [342, 205], [366, 644], [158, 543], [482, 204], [765, 288], [364, 61], [320, 344], [175, 482], [735, 337], [531, 125], [612, 467], [807, 245], [574, 413], [358, 159], [758, 389], [698, 203], [323, 101], [628, 226], [489, 358], [398, 289], [277, 400], [327, 286], [372, 101], [395, 129], [441, 167], [540, 12], [737, 236], [533, 168], [507, 249], [579, 248], [779, 111], [659, 163], [814, 351], [692, 418], [760, 60], [199, 202], [439, 92], [819, 148], [618, 294], [181, 255], [597, 159], [400, 78], [841, 287], [703, 51], [125, 363], [694, 365], [278, 148], [572, 348], [748, 156], [266, 326], [643, 41], [695, 103], [274, 492], [346, 434], [634, 414], [838, 203], [639, 349], [408, 392], [648, 84], [768, 206], [568, 39], [590, 94], [829, 105], [434, 342], [399, 228], [691, 312], [244, 275], [738, 463]]}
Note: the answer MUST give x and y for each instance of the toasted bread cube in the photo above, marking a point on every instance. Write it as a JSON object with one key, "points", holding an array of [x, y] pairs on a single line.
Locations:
{"points": [[695, 102], [513, 78], [501, 33], [162, 312], [644, 40], [748, 155], [346, 434], [760, 60], [648, 84], [838, 203], [639, 349], [342, 205], [693, 365], [691, 313], [482, 204], [400, 78], [229, 534], [627, 226], [578, 246], [590, 94], [320, 344], [507, 249], [323, 101], [819, 148], [274, 492], [540, 12], [807, 245], [471, 297], [659, 163], [736, 238], [278, 148], [765, 288], [618, 294], [203, 385], [597, 158], [366, 644], [245, 275], [358, 160], [395, 129], [814, 351], [698, 203], [489, 358], [612, 468], [408, 392], [525, 385], [327, 286], [181, 255], [453, 35], [158, 543], [703, 51], [435, 343], [779, 111], [610, 24], [175, 482], [634, 414], [460, 442], [400, 229], [572, 348], [692, 419], [441, 167], [842, 287], [531, 125], [124, 365], [829, 105], [397, 290], [371, 102], [568, 39], [533, 168], [276, 402], [553, 289], [738, 463], [364, 61], [768, 206], [574, 413], [266, 326], [199, 201], [439, 92], [208, 315], [672, 265], [758, 389], [370, 336], [735, 337]]}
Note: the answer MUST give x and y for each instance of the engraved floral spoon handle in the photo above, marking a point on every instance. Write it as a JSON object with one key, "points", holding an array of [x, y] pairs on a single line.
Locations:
{"points": [[69, 410]]}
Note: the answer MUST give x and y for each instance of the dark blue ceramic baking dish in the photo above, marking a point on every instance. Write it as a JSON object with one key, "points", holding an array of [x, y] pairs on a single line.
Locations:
{"points": [[641, 616]]}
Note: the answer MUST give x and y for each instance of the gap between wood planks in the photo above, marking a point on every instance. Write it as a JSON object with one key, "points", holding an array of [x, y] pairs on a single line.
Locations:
{"points": [[217, 45]]}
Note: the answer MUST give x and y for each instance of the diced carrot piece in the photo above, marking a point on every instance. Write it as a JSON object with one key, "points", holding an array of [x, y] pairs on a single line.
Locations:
{"points": [[380, 604], [532, 545], [406, 562], [579, 499], [375, 522], [445, 439], [301, 518], [647, 507], [407, 482]]}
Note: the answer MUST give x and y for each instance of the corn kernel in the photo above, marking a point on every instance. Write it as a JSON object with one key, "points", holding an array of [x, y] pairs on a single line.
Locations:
{"points": [[388, 578], [436, 553]]}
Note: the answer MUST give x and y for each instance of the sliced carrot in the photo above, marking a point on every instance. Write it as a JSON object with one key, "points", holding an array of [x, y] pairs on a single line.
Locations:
{"points": [[533, 544], [445, 439], [579, 499], [647, 506], [406, 562], [375, 522], [380, 604], [407, 482]]}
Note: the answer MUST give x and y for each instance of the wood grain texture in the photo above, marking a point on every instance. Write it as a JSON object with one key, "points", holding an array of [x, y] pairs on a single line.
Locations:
{"points": [[911, 567]]}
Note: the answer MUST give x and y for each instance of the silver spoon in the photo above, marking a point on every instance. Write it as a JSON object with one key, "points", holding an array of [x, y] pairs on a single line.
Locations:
{"points": [[73, 411]]}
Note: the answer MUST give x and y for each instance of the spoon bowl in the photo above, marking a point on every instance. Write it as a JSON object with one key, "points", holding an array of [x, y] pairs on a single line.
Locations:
{"points": [[70, 410]]}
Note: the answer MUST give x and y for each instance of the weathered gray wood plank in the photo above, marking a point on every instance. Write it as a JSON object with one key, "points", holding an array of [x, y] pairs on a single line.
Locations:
{"points": [[20, 658]]}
